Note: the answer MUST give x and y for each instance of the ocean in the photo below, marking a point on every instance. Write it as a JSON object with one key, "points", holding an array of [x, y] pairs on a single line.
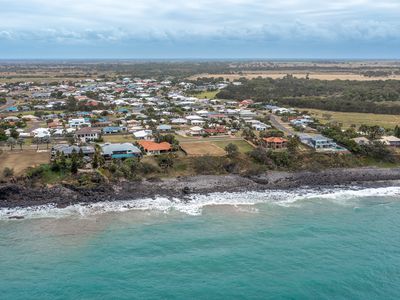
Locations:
{"points": [[338, 243]]}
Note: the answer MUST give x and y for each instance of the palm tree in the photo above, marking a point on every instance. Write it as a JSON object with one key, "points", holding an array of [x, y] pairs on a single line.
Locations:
{"points": [[37, 141], [11, 142], [20, 142]]}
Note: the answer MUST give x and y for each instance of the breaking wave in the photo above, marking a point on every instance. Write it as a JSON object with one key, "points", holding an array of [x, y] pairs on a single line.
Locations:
{"points": [[195, 204]]}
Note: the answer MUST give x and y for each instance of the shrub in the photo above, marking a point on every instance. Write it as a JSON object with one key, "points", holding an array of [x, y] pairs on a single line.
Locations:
{"points": [[8, 172], [147, 168], [208, 165], [232, 150]]}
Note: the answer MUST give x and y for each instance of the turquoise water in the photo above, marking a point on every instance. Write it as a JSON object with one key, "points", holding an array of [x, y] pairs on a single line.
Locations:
{"points": [[328, 247]]}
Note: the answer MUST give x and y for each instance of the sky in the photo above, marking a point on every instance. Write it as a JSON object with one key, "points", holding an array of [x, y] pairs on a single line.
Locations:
{"points": [[270, 29]]}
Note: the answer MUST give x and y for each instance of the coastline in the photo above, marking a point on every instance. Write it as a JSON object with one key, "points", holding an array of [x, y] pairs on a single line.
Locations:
{"points": [[62, 195]]}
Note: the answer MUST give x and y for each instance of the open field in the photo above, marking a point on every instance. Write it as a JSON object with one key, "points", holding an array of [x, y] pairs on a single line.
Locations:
{"points": [[242, 145], [208, 95], [348, 118], [202, 148], [21, 160], [297, 74]]}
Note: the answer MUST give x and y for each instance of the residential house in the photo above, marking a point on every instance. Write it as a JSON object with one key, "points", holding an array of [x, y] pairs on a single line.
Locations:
{"points": [[81, 122], [164, 128], [362, 140], [67, 150], [215, 131], [275, 142], [153, 148], [196, 131], [122, 150], [87, 134], [143, 134], [113, 129], [391, 141], [41, 133], [179, 121]]}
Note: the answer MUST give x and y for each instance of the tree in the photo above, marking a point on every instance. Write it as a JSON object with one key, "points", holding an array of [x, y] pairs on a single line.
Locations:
{"points": [[74, 162], [397, 131], [248, 133], [98, 159], [20, 142], [14, 133], [293, 145], [3, 136], [232, 150], [47, 141], [11, 142], [165, 161], [37, 141]]}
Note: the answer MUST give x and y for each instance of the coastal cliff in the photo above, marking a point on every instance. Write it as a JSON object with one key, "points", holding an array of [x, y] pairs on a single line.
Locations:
{"points": [[21, 195]]}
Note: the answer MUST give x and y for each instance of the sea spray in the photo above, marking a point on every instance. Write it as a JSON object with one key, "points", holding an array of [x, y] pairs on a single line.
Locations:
{"points": [[195, 204]]}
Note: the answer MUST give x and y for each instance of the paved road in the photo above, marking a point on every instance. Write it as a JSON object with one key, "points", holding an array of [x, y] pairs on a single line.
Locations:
{"points": [[278, 124]]}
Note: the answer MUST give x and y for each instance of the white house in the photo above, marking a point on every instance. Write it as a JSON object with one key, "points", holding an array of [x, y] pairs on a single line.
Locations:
{"points": [[143, 134], [196, 131], [75, 123], [178, 121], [41, 132], [87, 134]]}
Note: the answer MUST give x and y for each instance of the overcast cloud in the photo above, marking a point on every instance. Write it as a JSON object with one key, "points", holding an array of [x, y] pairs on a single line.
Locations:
{"points": [[197, 29]]}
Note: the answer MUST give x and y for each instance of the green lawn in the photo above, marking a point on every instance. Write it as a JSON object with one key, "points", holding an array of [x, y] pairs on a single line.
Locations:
{"points": [[208, 94], [128, 138], [242, 145]]}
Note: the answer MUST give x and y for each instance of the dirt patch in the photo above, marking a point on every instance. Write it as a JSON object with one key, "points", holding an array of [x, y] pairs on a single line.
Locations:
{"points": [[21, 160], [202, 148]]}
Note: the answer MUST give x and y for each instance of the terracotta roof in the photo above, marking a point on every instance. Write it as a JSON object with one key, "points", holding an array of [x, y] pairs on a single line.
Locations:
{"points": [[273, 139], [153, 146]]}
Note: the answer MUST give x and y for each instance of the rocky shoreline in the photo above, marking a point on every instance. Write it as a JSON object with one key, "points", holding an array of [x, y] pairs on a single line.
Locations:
{"points": [[19, 195]]}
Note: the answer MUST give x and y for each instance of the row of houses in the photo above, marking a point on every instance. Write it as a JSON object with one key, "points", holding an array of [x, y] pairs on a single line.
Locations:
{"points": [[114, 150]]}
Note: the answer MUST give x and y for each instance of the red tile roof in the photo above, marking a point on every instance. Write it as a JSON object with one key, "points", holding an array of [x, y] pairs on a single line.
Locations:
{"points": [[275, 140], [153, 146]]}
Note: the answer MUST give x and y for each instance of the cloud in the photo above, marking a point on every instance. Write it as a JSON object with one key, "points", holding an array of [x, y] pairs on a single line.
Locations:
{"points": [[226, 22]]}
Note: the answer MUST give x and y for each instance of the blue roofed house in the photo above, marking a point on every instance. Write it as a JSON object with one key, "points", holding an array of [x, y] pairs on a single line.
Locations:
{"points": [[120, 151], [113, 129]]}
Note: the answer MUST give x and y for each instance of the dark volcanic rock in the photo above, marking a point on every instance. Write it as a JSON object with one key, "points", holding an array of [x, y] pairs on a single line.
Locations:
{"points": [[19, 195]]}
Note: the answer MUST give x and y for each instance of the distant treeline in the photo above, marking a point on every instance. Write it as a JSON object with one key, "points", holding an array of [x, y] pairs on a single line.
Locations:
{"points": [[182, 68], [336, 95]]}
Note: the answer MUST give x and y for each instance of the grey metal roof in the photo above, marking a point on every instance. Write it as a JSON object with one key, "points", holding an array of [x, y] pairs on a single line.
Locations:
{"points": [[108, 149]]}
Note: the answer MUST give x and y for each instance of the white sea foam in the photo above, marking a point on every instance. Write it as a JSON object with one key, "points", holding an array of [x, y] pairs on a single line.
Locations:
{"points": [[196, 203]]}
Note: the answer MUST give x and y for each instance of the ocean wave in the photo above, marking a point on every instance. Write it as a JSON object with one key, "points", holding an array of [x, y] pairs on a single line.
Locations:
{"points": [[195, 204]]}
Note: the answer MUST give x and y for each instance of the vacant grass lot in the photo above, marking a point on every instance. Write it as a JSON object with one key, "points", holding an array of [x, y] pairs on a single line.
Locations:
{"points": [[202, 148], [348, 118], [208, 95], [243, 146], [21, 160]]}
